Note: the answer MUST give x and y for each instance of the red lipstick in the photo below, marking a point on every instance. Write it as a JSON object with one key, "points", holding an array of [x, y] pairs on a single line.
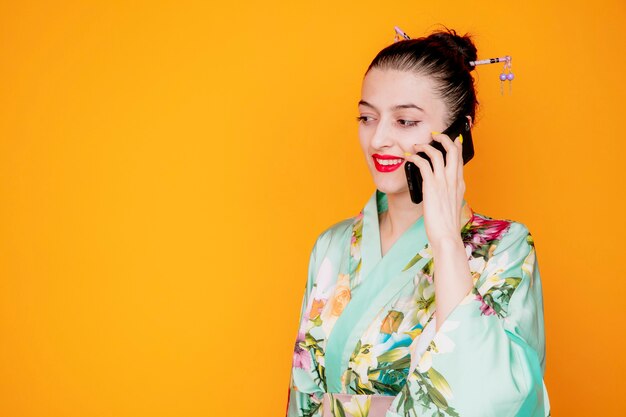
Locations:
{"points": [[387, 167]]}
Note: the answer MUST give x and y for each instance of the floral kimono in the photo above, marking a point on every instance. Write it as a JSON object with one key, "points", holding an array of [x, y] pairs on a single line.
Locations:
{"points": [[367, 344]]}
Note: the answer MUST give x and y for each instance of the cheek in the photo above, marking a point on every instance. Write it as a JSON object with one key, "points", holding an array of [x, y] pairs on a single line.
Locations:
{"points": [[419, 134], [364, 140]]}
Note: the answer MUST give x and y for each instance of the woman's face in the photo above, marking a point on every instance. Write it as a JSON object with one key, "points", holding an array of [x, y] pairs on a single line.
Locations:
{"points": [[397, 109]]}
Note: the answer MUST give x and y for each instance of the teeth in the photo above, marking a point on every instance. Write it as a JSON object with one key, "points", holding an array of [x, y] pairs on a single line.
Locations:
{"points": [[389, 161]]}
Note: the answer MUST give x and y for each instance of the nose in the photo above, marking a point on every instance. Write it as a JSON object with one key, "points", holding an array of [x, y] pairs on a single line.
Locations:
{"points": [[382, 136]]}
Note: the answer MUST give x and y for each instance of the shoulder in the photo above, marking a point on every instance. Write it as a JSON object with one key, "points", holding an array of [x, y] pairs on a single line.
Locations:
{"points": [[501, 261], [334, 234], [330, 246], [496, 235]]}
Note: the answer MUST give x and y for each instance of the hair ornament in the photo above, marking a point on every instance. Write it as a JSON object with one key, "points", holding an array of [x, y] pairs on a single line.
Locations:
{"points": [[399, 33], [506, 74]]}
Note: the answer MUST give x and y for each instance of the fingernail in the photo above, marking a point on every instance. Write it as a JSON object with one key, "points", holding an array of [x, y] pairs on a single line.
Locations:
{"points": [[435, 133], [408, 154], [461, 137]]}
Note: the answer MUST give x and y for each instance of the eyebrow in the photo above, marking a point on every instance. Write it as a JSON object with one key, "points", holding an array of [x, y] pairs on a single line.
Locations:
{"points": [[396, 107]]}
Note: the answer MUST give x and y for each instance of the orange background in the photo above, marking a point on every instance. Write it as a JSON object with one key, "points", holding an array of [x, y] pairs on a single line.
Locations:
{"points": [[166, 166]]}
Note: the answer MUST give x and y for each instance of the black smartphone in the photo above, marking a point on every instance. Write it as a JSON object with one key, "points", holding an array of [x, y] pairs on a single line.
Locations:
{"points": [[413, 174]]}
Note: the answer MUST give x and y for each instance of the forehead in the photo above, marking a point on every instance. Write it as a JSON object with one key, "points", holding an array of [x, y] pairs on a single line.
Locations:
{"points": [[386, 88]]}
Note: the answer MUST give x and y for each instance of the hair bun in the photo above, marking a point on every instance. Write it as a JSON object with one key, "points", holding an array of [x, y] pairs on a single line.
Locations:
{"points": [[463, 45]]}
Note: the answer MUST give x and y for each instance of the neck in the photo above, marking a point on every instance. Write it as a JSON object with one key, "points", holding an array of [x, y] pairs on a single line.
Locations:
{"points": [[401, 214]]}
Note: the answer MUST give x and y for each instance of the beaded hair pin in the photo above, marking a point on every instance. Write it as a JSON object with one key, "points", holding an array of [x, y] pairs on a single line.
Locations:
{"points": [[506, 74]]}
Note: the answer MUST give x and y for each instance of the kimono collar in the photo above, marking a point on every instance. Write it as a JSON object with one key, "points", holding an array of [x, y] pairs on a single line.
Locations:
{"points": [[371, 248], [381, 205], [379, 279]]}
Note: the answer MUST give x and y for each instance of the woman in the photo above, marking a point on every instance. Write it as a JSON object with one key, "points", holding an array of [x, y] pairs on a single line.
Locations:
{"points": [[425, 309]]}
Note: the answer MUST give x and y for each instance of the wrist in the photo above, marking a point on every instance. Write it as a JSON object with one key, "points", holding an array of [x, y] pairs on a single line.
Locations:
{"points": [[449, 244]]}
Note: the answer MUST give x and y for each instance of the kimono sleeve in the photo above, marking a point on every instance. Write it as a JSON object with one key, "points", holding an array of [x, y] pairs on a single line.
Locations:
{"points": [[304, 391], [488, 357]]}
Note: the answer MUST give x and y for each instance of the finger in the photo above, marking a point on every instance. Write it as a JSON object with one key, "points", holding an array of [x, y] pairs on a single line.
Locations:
{"points": [[422, 164], [458, 142], [445, 140], [452, 155], [460, 179], [436, 157]]}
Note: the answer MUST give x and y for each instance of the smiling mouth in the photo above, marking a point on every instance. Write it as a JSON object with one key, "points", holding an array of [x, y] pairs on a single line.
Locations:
{"points": [[389, 161], [387, 164]]}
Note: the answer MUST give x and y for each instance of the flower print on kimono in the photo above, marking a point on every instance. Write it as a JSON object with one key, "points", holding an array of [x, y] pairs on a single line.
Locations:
{"points": [[323, 290], [425, 385], [357, 406], [363, 359], [421, 303], [382, 357], [311, 337], [494, 292], [326, 304]]}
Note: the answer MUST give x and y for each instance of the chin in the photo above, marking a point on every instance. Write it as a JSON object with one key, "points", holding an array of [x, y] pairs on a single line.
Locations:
{"points": [[395, 185]]}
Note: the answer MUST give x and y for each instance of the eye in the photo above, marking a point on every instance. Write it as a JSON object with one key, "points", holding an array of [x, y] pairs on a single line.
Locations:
{"points": [[408, 123], [363, 119]]}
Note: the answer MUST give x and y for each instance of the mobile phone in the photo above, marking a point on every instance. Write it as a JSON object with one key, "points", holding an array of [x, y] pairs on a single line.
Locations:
{"points": [[413, 174]]}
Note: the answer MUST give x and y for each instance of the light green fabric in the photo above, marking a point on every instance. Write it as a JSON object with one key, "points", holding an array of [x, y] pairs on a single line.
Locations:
{"points": [[367, 325], [384, 280]]}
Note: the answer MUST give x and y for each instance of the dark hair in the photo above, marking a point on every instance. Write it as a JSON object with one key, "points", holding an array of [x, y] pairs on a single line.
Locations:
{"points": [[444, 56]]}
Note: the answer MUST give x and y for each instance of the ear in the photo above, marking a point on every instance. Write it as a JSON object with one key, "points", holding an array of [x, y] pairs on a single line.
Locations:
{"points": [[470, 120]]}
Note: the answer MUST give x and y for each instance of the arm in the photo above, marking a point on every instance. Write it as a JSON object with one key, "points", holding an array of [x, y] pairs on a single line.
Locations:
{"points": [[301, 401], [487, 358], [452, 276]]}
